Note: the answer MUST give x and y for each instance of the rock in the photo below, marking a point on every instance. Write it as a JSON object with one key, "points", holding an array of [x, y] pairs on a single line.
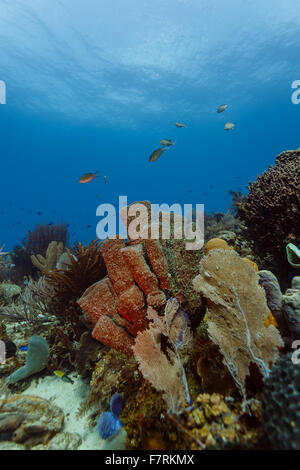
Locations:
{"points": [[273, 294], [291, 308], [61, 441], [9, 292], [296, 283], [31, 418]]}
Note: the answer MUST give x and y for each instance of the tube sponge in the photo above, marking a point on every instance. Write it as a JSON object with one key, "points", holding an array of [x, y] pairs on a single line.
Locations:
{"points": [[36, 360]]}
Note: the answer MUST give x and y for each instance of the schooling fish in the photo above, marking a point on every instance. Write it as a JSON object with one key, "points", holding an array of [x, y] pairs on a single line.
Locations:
{"points": [[157, 153], [63, 376], [166, 142], [222, 108], [87, 177], [229, 126], [180, 125]]}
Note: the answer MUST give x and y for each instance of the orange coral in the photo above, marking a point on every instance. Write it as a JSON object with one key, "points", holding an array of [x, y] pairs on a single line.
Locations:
{"points": [[271, 320], [216, 243]]}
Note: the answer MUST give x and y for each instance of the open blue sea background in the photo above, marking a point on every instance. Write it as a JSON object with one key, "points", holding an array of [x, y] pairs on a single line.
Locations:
{"points": [[96, 84]]}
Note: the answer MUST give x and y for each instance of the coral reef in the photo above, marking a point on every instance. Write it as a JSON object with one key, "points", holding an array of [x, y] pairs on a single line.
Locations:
{"points": [[140, 274], [31, 422], [271, 209], [236, 313], [281, 406], [218, 423]]}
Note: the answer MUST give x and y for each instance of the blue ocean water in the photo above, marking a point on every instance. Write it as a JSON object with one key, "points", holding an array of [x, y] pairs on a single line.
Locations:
{"points": [[95, 85]]}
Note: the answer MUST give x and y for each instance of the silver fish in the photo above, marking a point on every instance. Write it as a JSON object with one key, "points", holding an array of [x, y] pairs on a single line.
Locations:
{"points": [[229, 126], [105, 179], [222, 108], [157, 153], [166, 142], [180, 125]]}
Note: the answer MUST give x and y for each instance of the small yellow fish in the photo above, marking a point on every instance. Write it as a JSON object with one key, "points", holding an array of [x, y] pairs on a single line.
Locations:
{"points": [[166, 142], [63, 376], [180, 125], [157, 153], [229, 126], [87, 177]]}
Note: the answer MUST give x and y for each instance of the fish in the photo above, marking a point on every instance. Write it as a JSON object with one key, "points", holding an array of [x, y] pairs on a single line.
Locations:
{"points": [[61, 375], [39, 213], [87, 177], [166, 142], [156, 154], [222, 108], [105, 179], [229, 126], [180, 125], [23, 347]]}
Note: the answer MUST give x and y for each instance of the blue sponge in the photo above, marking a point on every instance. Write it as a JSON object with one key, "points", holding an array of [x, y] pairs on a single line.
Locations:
{"points": [[108, 425]]}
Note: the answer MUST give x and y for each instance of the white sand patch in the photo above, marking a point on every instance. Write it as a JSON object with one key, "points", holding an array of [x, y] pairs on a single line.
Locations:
{"points": [[69, 398]]}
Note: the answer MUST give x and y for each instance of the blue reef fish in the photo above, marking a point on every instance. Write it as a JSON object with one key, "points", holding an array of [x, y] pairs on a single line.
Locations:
{"points": [[23, 347]]}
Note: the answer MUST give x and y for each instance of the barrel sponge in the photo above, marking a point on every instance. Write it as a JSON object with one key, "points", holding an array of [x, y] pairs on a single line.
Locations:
{"points": [[281, 405], [36, 360]]}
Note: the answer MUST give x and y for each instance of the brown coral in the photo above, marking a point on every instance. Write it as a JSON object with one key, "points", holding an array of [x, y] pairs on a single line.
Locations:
{"points": [[271, 209]]}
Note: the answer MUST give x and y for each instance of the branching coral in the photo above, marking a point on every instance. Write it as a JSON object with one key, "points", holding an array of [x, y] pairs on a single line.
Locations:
{"points": [[86, 267], [38, 239], [237, 310], [34, 306]]}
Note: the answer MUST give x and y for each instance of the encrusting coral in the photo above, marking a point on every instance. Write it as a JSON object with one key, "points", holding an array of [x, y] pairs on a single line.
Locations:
{"points": [[236, 313], [48, 263]]}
